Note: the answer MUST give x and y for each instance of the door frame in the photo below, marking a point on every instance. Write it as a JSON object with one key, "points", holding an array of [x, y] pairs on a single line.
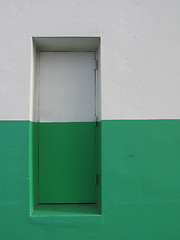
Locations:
{"points": [[61, 44]]}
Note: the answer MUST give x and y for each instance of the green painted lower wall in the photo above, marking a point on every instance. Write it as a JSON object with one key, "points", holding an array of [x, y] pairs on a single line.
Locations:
{"points": [[140, 185]]}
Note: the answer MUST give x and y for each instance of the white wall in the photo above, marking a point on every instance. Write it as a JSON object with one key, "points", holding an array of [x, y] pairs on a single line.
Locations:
{"points": [[140, 52]]}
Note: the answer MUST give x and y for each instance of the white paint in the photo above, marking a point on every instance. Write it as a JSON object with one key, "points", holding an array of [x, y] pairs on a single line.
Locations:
{"points": [[81, 45], [67, 43], [98, 84], [140, 52], [67, 87], [34, 83]]}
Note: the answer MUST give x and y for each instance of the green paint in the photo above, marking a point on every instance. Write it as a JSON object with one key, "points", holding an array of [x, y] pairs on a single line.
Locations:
{"points": [[140, 186], [33, 164], [67, 162], [73, 143], [67, 210], [98, 166]]}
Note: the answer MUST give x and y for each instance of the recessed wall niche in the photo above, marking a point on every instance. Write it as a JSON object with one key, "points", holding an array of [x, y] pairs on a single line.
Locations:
{"points": [[65, 129]]}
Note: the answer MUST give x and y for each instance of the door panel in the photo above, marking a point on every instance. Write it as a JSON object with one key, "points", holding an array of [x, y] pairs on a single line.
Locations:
{"points": [[67, 128]]}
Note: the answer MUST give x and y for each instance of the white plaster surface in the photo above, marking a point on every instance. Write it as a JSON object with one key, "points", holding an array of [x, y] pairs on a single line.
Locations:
{"points": [[140, 52]]}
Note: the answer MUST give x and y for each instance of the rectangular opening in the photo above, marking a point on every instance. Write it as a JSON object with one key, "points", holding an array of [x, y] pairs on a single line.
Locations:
{"points": [[65, 162]]}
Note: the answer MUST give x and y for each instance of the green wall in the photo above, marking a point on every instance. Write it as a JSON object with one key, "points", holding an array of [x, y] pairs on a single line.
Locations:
{"points": [[140, 185]]}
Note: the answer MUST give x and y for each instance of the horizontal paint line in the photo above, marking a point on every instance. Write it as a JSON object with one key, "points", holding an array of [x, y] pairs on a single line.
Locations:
{"points": [[65, 121], [15, 120], [127, 119], [139, 119]]}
